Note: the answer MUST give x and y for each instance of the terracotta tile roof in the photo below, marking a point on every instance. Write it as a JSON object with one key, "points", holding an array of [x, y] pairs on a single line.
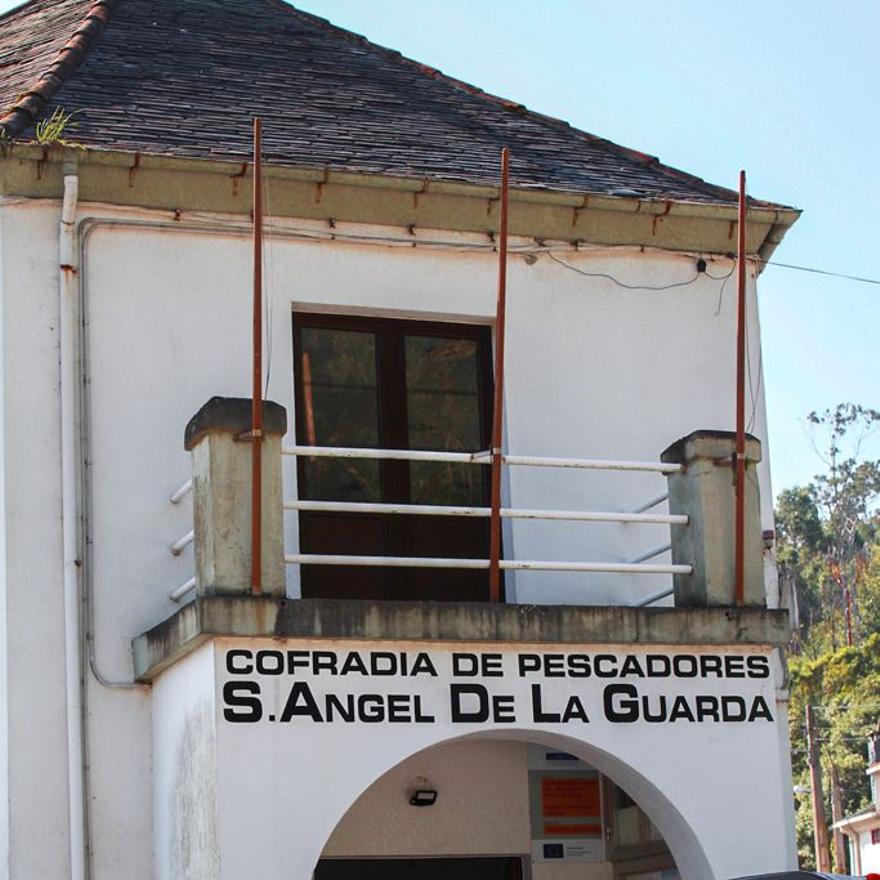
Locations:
{"points": [[185, 78], [41, 44]]}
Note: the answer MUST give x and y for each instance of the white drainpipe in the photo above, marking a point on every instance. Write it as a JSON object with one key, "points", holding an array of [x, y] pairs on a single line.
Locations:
{"points": [[67, 293]]}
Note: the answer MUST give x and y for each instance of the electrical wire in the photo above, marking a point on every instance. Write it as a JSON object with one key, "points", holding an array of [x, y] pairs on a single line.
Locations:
{"points": [[754, 386], [311, 234], [724, 279], [831, 274], [720, 277], [755, 382], [757, 394], [269, 280], [622, 284]]}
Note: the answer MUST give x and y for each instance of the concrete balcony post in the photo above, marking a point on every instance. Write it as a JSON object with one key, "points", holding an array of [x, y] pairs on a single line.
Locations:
{"points": [[218, 436], [705, 491]]}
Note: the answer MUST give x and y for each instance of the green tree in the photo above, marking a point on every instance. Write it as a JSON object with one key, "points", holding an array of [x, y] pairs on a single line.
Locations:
{"points": [[843, 687], [828, 531], [829, 559]]}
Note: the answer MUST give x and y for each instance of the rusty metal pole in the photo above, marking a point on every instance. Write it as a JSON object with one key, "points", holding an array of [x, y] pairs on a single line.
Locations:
{"points": [[257, 384], [820, 823], [495, 520], [740, 513]]}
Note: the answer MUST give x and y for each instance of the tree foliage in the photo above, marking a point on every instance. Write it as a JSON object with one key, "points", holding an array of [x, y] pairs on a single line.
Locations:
{"points": [[843, 687], [828, 533], [828, 553]]}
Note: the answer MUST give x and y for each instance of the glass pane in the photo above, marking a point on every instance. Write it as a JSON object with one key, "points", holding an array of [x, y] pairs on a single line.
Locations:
{"points": [[337, 374], [444, 413]]}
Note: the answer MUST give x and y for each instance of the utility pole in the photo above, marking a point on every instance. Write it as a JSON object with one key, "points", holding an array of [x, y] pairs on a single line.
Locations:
{"points": [[836, 816], [820, 823]]}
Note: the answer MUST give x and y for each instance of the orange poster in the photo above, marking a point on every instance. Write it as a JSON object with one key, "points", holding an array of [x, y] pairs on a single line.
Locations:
{"points": [[576, 830], [569, 797]]}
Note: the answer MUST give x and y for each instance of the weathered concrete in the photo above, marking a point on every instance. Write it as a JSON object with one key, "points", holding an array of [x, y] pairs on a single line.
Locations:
{"points": [[219, 438], [705, 490], [246, 616], [180, 186]]}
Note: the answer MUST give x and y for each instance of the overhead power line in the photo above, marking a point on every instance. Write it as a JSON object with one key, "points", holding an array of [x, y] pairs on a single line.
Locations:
{"points": [[822, 272]]}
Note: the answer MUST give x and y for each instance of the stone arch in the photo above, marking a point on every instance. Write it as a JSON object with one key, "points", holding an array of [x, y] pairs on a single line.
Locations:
{"points": [[687, 851]]}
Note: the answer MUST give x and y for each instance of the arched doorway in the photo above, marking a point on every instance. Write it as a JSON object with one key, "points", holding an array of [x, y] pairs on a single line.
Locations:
{"points": [[516, 806]]}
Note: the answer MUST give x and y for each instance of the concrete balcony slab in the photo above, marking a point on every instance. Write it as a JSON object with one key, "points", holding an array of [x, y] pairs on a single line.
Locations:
{"points": [[264, 617]]}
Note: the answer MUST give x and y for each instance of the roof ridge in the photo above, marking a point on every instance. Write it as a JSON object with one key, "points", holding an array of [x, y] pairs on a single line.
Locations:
{"points": [[31, 103], [634, 155]]}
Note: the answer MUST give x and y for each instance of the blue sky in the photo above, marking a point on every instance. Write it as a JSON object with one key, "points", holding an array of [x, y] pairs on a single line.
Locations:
{"points": [[787, 90]]}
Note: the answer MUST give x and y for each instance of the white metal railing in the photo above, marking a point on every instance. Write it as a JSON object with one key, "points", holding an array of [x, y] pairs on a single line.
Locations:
{"points": [[178, 546], [182, 542], [506, 564], [653, 502], [639, 515], [178, 495], [177, 594], [651, 554], [483, 457], [506, 512], [654, 597]]}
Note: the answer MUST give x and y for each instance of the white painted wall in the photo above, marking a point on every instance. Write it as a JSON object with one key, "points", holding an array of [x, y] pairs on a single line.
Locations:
{"points": [[482, 809], [4, 680], [592, 371], [185, 821], [870, 853], [36, 696], [482, 806], [696, 782]]}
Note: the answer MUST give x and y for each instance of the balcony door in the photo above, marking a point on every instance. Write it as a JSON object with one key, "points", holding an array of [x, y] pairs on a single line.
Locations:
{"points": [[392, 384]]}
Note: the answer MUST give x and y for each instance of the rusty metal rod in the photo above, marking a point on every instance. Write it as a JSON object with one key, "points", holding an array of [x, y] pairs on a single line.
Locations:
{"points": [[740, 512], [257, 385], [495, 517]]}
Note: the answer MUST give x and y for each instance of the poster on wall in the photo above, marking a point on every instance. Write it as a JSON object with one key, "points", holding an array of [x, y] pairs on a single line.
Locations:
{"points": [[565, 803]]}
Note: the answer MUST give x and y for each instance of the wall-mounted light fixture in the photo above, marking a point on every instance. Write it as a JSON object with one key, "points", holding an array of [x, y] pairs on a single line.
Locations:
{"points": [[423, 797]]}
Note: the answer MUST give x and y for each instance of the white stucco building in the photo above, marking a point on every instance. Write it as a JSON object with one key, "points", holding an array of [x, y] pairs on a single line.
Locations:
{"points": [[613, 717], [862, 829]]}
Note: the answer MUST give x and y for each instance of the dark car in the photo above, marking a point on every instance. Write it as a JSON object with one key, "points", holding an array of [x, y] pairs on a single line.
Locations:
{"points": [[806, 875]]}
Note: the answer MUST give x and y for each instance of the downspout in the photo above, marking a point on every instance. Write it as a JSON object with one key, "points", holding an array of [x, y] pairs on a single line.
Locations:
{"points": [[67, 294]]}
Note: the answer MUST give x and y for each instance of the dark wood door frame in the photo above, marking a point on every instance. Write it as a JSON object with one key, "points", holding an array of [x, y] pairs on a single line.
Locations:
{"points": [[401, 533]]}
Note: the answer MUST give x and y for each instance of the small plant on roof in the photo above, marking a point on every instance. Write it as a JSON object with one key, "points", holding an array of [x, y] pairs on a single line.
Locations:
{"points": [[52, 130]]}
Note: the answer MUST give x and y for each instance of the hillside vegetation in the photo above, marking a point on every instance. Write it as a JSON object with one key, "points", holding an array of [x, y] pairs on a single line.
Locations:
{"points": [[829, 563]]}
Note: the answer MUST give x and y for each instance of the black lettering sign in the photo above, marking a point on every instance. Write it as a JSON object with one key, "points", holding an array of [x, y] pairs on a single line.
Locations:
{"points": [[538, 713], [239, 662], [621, 702], [300, 703], [476, 716], [475, 702], [250, 705]]}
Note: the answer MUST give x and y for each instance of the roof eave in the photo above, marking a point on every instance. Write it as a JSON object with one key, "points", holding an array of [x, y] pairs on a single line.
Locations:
{"points": [[776, 219], [859, 822]]}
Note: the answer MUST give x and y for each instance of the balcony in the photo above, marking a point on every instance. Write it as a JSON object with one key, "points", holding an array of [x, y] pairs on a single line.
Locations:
{"points": [[693, 558]]}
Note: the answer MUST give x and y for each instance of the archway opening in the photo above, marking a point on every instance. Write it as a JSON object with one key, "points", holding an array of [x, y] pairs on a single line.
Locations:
{"points": [[517, 806]]}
